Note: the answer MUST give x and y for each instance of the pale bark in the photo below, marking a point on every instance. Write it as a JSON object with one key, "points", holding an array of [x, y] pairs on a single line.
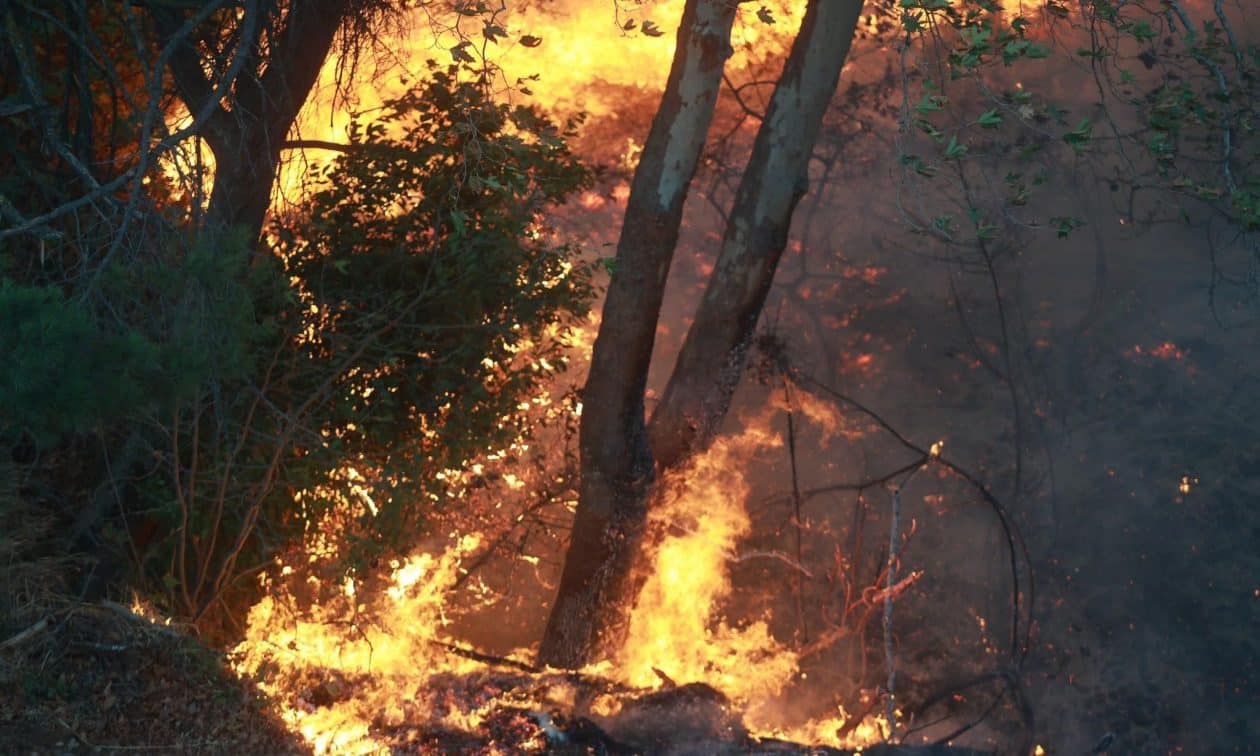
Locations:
{"points": [[617, 466], [712, 357], [620, 457]]}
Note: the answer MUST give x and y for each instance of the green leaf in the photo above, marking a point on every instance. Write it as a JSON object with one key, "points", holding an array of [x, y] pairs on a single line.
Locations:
{"points": [[931, 103], [1065, 225], [990, 119], [1079, 138], [1037, 51]]}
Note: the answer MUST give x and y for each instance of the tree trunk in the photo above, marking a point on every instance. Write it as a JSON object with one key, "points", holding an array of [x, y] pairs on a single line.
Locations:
{"points": [[265, 97], [616, 462], [697, 396], [620, 457]]}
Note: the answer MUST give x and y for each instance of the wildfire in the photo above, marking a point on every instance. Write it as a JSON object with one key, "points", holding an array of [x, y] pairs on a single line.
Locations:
{"points": [[337, 668], [360, 663], [371, 657], [670, 625], [676, 630]]}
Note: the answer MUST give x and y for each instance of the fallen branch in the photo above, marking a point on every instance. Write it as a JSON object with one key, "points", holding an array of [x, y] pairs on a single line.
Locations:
{"points": [[25, 635], [477, 656], [779, 555]]}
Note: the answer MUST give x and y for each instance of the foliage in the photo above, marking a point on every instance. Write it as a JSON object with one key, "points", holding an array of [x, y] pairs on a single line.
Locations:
{"points": [[434, 298], [1174, 112], [62, 374], [187, 318], [187, 404]]}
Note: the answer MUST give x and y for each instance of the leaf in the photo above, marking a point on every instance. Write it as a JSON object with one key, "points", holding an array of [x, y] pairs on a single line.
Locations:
{"points": [[460, 53], [917, 163], [1079, 137], [650, 29], [930, 104], [530, 40], [629, 25], [954, 150], [493, 32], [990, 119], [1065, 225]]}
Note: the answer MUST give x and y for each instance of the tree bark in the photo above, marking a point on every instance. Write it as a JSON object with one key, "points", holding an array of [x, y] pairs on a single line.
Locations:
{"points": [[619, 455], [266, 97], [616, 461], [697, 395]]}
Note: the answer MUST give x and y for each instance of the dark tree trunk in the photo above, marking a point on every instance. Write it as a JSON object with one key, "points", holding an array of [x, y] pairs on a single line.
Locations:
{"points": [[265, 100], [619, 456], [617, 466]]}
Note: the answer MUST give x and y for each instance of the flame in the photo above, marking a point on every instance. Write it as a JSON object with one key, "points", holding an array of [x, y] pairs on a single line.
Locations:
{"points": [[367, 654], [586, 61], [368, 663], [676, 629], [670, 623]]}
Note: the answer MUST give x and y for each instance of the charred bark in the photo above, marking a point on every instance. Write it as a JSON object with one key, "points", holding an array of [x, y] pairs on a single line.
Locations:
{"points": [[616, 461], [696, 397]]}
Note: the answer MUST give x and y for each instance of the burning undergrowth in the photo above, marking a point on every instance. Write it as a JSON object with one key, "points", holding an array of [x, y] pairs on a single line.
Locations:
{"points": [[405, 659], [760, 616], [377, 663]]}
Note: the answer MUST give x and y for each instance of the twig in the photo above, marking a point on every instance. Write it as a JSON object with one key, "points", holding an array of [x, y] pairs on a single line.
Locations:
{"points": [[798, 589], [477, 656], [894, 547], [1016, 546], [779, 555], [26, 634], [892, 593]]}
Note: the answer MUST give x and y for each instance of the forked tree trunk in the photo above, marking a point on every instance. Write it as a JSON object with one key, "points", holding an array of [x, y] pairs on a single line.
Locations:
{"points": [[712, 357], [266, 96], [619, 462], [617, 466]]}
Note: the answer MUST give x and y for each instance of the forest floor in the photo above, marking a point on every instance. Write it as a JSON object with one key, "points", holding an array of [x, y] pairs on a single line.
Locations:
{"points": [[98, 679]]}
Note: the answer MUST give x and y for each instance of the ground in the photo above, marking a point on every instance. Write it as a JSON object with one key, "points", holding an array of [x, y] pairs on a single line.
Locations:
{"points": [[98, 679]]}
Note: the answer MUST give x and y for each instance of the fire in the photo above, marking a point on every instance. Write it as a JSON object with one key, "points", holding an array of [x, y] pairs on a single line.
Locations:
{"points": [[676, 630], [670, 625], [371, 656], [584, 57], [335, 668], [368, 656]]}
